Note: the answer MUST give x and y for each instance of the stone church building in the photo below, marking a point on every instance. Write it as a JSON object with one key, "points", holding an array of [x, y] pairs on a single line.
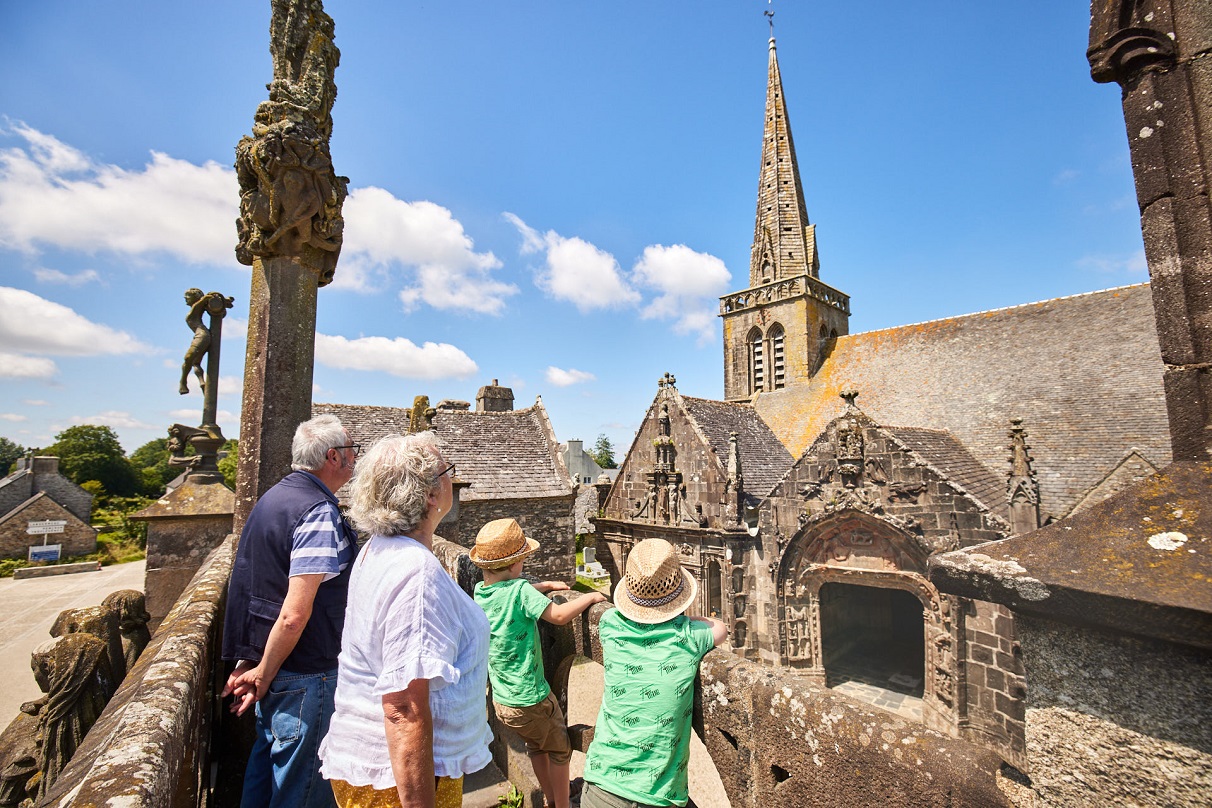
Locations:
{"points": [[808, 502]]}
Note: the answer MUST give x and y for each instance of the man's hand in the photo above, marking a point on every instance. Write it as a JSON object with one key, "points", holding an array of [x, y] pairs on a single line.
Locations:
{"points": [[551, 586], [247, 684]]}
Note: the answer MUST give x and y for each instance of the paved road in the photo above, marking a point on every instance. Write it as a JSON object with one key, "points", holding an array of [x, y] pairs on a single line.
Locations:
{"points": [[29, 608]]}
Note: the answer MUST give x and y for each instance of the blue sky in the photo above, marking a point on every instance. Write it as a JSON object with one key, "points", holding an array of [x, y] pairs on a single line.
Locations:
{"points": [[553, 194]]}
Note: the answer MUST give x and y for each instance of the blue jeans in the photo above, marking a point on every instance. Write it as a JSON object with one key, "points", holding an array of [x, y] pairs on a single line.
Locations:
{"points": [[283, 767]]}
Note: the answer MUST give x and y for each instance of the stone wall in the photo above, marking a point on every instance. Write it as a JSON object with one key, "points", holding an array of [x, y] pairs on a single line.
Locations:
{"points": [[548, 520], [994, 683], [1115, 719], [77, 538], [150, 747], [44, 476]]}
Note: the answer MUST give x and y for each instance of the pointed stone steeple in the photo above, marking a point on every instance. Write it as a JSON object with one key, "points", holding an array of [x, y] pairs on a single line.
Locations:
{"points": [[784, 242], [777, 332]]}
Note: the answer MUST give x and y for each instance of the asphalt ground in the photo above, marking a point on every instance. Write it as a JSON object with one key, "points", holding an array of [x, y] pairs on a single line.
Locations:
{"points": [[29, 607]]}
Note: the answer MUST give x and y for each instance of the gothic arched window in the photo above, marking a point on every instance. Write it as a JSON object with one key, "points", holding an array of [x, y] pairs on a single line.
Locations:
{"points": [[775, 335], [757, 363]]}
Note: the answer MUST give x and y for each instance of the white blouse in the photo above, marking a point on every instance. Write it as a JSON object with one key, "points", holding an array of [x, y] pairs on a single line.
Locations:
{"points": [[407, 619]]}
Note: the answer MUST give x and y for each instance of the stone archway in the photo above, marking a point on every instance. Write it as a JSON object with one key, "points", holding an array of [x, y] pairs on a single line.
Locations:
{"points": [[877, 572]]}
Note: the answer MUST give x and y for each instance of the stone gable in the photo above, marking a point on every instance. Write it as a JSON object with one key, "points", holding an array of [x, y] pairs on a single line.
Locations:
{"points": [[77, 538]]}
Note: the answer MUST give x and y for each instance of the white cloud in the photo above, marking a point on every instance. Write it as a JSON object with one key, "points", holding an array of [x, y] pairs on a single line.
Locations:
{"points": [[575, 270], [13, 366], [1130, 265], [235, 328], [383, 233], [53, 195], [116, 418], [35, 402], [56, 276], [191, 416], [564, 378], [231, 385], [399, 357], [1065, 176], [33, 324], [12, 416], [688, 284]]}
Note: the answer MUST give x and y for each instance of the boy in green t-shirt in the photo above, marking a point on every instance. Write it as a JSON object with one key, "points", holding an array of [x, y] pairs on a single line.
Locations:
{"points": [[651, 653], [521, 695]]}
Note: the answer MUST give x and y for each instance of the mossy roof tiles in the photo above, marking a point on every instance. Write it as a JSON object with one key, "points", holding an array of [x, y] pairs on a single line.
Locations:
{"points": [[1083, 372]]}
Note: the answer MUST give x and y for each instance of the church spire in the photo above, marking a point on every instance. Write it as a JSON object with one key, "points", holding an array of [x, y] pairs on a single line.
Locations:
{"points": [[784, 242]]}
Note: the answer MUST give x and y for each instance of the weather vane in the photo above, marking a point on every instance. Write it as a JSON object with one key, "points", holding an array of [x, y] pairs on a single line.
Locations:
{"points": [[769, 12]]}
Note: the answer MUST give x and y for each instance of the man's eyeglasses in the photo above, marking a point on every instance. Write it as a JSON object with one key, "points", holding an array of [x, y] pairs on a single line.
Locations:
{"points": [[450, 469], [357, 448]]}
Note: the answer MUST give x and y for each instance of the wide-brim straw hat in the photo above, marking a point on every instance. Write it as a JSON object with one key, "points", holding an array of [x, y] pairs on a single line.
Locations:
{"points": [[501, 543], [656, 587]]}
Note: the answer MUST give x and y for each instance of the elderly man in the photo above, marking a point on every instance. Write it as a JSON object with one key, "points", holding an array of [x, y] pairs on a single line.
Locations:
{"points": [[285, 612]]}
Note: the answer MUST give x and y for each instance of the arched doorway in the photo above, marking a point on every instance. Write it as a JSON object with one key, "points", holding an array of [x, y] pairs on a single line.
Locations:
{"points": [[874, 636]]}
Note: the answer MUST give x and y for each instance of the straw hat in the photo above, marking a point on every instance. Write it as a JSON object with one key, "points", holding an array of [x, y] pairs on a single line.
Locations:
{"points": [[656, 588], [500, 544]]}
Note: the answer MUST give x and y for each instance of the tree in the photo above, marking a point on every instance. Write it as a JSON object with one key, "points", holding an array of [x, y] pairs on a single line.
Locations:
{"points": [[90, 452], [227, 463], [151, 464], [9, 453], [603, 453]]}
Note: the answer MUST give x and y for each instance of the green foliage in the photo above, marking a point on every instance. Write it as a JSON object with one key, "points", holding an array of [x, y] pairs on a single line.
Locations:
{"points": [[512, 799], [151, 463], [9, 453], [90, 452], [228, 463], [603, 452], [93, 487]]}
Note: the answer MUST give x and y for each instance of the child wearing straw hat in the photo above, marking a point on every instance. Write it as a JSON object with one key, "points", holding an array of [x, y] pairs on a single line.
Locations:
{"points": [[520, 693], [651, 652]]}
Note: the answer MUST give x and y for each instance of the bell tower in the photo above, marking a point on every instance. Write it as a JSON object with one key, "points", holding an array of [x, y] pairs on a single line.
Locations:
{"points": [[777, 332]]}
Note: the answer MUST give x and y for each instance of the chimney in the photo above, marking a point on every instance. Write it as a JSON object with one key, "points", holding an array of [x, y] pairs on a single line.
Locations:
{"points": [[494, 398], [45, 465]]}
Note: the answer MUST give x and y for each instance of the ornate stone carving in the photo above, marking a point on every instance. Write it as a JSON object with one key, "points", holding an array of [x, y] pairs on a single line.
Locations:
{"points": [[1127, 37], [290, 197], [421, 415], [131, 609], [906, 492]]}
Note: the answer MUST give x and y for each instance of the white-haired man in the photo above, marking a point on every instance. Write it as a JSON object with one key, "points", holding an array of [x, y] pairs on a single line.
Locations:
{"points": [[285, 613]]}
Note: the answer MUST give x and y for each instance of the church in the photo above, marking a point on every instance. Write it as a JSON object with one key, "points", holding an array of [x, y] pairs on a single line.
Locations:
{"points": [[808, 502]]}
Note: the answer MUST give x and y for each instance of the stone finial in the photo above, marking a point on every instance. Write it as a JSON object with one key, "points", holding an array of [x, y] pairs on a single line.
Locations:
{"points": [[848, 394], [290, 196], [421, 416], [668, 380], [1022, 487]]}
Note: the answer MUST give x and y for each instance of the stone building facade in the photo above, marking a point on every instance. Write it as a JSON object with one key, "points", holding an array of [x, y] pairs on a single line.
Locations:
{"points": [[36, 492], [810, 519], [507, 460]]}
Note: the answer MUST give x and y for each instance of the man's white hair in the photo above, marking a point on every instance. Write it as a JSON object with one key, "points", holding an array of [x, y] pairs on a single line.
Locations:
{"points": [[389, 495], [313, 439]]}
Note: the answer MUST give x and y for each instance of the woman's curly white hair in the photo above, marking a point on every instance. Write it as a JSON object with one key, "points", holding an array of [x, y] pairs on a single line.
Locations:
{"points": [[390, 489]]}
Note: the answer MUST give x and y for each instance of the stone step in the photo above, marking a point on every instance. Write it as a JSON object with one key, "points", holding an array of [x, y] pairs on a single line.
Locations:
{"points": [[484, 788]]}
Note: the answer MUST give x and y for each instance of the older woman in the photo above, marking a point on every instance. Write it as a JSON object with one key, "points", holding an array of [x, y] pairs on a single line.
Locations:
{"points": [[410, 716]]}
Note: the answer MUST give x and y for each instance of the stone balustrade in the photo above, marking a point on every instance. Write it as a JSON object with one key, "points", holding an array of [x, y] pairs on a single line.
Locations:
{"points": [[784, 289]]}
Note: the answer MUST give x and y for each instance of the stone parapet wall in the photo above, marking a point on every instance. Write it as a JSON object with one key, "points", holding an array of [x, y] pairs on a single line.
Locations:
{"points": [[150, 746], [1116, 720]]}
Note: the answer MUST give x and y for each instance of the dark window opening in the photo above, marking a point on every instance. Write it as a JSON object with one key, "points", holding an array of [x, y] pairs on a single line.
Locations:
{"points": [[873, 636], [715, 590]]}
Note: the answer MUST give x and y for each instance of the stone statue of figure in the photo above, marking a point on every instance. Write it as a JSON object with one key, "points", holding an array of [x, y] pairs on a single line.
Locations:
{"points": [[211, 303], [101, 623], [131, 609], [70, 671], [19, 754]]}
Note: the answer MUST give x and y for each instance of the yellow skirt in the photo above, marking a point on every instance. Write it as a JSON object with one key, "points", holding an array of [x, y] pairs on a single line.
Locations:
{"points": [[449, 794]]}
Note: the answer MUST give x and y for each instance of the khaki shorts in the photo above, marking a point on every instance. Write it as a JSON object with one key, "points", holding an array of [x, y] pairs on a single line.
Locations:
{"points": [[541, 726]]}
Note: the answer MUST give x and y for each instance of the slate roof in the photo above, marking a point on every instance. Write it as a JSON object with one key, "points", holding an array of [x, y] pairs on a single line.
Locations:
{"points": [[948, 456], [504, 455], [764, 460], [1083, 372]]}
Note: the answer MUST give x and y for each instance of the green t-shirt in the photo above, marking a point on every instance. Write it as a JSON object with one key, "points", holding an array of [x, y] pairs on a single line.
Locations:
{"points": [[641, 744], [515, 660]]}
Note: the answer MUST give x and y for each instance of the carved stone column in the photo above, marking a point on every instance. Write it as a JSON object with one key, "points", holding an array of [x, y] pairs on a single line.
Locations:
{"points": [[1157, 51], [290, 231]]}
